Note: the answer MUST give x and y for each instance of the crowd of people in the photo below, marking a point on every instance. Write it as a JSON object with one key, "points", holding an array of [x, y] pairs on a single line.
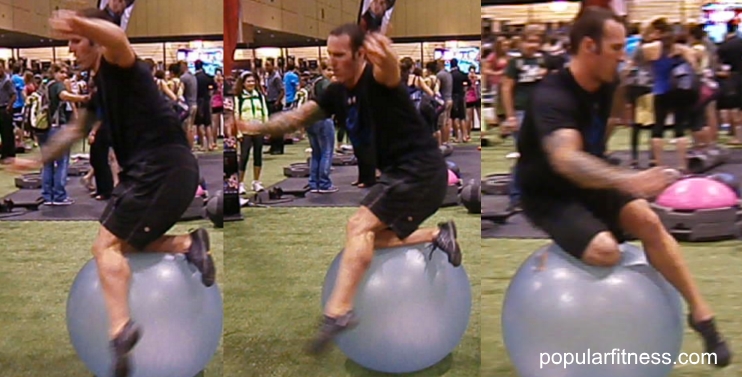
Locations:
{"points": [[40, 104], [656, 56], [449, 100]]}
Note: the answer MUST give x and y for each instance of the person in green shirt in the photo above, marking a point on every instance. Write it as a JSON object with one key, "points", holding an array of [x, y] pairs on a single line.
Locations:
{"points": [[250, 105], [322, 139]]}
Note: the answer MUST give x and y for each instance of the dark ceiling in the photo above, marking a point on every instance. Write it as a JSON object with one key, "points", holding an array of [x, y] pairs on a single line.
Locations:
{"points": [[516, 2], [14, 39], [272, 38]]}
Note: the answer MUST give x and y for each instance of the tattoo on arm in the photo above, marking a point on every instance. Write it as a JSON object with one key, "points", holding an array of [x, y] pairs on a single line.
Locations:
{"points": [[57, 146], [286, 122], [582, 168]]}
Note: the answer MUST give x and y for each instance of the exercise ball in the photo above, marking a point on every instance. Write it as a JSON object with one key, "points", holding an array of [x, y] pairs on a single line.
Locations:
{"points": [[453, 180], [728, 179], [697, 193], [452, 166], [181, 319], [561, 317], [413, 309], [471, 196], [215, 209]]}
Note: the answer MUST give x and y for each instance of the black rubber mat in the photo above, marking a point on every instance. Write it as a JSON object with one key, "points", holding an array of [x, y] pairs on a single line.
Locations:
{"points": [[467, 157], [89, 209]]}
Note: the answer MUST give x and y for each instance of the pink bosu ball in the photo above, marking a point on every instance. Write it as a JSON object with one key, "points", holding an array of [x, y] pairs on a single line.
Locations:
{"points": [[697, 193], [200, 191], [452, 178]]}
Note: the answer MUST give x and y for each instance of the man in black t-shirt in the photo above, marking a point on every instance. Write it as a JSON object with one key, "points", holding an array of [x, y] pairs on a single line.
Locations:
{"points": [[205, 85], [370, 96], [159, 174], [568, 189], [460, 82]]}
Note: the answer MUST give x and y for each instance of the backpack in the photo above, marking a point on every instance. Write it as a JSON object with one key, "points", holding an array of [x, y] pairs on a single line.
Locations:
{"points": [[37, 109]]}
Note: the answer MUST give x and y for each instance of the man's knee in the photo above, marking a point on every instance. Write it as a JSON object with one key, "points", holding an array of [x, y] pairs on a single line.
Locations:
{"points": [[360, 224], [641, 221], [602, 251]]}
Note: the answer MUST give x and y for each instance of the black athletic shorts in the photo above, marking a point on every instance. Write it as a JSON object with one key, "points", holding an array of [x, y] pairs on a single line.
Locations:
{"points": [[458, 110], [203, 112], [152, 195], [407, 195], [573, 221]]}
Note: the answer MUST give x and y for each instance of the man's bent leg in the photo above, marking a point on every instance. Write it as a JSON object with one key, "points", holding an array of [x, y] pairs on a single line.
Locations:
{"points": [[663, 252], [358, 254], [115, 275]]}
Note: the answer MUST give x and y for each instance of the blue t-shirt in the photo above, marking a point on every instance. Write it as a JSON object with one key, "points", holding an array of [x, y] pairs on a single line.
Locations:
{"points": [[661, 71], [291, 83], [19, 86]]}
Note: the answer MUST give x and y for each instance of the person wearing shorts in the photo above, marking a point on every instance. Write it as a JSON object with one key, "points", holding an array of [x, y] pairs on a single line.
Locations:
{"points": [[370, 95], [582, 202], [159, 174]]}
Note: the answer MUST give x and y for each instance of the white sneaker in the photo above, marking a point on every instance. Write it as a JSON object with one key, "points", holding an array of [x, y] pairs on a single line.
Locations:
{"points": [[243, 190], [243, 202], [257, 186], [513, 156]]}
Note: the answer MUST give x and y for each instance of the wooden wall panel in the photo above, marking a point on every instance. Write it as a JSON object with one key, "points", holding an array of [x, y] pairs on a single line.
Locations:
{"points": [[425, 18], [163, 18], [308, 18]]}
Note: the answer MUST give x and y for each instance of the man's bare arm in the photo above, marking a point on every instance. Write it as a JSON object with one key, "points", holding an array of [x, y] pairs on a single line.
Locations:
{"points": [[57, 146], [290, 121], [564, 149]]}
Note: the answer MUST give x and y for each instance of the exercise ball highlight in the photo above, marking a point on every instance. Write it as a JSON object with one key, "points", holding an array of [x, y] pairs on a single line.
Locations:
{"points": [[181, 319], [562, 317], [413, 309], [698, 193]]}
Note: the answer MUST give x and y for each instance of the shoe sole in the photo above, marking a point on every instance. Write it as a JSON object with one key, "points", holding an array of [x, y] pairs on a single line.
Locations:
{"points": [[321, 344], [208, 271]]}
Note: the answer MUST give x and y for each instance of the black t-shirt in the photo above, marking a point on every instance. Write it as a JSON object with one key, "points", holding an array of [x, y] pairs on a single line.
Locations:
{"points": [[382, 117], [460, 80], [730, 53], [558, 102], [204, 85], [138, 117]]}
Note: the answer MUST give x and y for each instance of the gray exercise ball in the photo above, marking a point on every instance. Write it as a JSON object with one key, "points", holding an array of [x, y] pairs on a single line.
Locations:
{"points": [[181, 319], [413, 310], [562, 318]]}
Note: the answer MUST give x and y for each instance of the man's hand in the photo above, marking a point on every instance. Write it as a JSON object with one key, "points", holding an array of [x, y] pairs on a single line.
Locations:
{"points": [[62, 24], [21, 165], [378, 47], [650, 183]]}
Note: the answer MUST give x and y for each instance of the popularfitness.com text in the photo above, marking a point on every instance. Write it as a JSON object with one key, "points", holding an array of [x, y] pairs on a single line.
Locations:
{"points": [[621, 357]]}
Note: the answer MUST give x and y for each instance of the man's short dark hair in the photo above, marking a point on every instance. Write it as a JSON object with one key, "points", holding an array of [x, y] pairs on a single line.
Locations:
{"points": [[454, 63], [354, 32], [198, 65], [590, 24]]}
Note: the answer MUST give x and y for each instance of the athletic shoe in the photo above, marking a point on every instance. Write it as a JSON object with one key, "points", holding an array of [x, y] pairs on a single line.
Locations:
{"points": [[328, 190], [446, 241], [122, 345], [713, 341], [257, 186], [243, 191], [66, 202], [329, 329], [199, 254]]}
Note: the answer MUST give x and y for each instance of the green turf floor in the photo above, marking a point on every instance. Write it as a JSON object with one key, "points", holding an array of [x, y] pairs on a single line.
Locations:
{"points": [[38, 262], [277, 260], [715, 266]]}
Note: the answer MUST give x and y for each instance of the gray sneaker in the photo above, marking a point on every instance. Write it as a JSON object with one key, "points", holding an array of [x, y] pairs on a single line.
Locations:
{"points": [[328, 190], [66, 202]]}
